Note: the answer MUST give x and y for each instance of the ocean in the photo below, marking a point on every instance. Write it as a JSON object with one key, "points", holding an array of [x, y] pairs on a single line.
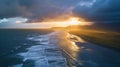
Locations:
{"points": [[48, 48], [14, 41]]}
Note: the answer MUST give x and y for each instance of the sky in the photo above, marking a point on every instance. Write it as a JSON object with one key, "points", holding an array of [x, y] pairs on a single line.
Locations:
{"points": [[19, 13]]}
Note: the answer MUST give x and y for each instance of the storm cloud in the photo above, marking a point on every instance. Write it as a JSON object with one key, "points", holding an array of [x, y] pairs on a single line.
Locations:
{"points": [[91, 10], [101, 11], [35, 9]]}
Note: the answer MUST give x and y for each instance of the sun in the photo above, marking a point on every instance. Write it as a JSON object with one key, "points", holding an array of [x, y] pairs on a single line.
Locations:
{"points": [[66, 22], [74, 21]]}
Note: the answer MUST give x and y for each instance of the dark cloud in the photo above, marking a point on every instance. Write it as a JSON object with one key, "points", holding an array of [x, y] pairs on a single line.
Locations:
{"points": [[92, 10], [34, 9], [12, 8], [101, 11]]}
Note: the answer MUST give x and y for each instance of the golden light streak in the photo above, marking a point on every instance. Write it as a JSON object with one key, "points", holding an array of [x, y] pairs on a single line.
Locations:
{"points": [[56, 22], [71, 20]]}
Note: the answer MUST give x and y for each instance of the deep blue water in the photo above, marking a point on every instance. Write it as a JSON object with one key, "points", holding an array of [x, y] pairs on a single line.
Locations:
{"points": [[13, 41]]}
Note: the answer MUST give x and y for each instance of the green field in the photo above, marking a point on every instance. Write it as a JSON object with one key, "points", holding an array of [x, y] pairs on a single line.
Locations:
{"points": [[101, 37]]}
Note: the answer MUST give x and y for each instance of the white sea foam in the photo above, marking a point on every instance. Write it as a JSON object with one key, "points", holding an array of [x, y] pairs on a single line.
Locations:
{"points": [[46, 55], [47, 51]]}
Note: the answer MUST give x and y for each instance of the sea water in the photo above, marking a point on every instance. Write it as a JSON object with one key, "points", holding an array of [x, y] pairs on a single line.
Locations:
{"points": [[48, 48]]}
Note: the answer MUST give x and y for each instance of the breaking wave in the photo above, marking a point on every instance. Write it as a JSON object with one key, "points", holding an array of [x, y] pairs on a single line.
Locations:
{"points": [[48, 51]]}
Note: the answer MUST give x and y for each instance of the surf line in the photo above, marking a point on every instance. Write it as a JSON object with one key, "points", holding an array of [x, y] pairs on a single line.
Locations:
{"points": [[71, 61]]}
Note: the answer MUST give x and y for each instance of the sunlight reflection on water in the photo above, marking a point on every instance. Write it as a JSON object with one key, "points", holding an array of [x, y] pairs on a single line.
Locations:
{"points": [[67, 42]]}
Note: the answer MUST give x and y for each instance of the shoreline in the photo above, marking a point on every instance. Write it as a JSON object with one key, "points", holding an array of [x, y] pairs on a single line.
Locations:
{"points": [[108, 40], [102, 45]]}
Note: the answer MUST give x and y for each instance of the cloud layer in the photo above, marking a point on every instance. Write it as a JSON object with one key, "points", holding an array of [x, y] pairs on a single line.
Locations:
{"points": [[92, 10], [101, 11]]}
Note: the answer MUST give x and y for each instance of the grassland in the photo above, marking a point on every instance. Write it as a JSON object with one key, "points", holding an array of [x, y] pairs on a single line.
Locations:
{"points": [[104, 38]]}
